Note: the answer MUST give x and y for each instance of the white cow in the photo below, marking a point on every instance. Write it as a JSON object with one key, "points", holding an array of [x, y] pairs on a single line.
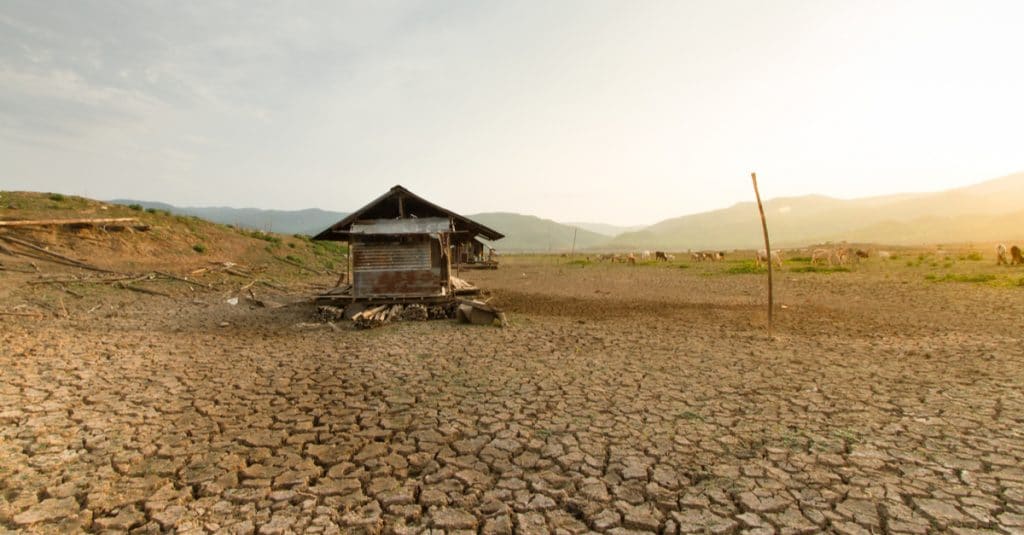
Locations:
{"points": [[762, 258], [1001, 255]]}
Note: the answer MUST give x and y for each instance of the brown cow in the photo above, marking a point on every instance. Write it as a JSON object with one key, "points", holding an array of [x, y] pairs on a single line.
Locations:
{"points": [[660, 255], [1015, 257]]}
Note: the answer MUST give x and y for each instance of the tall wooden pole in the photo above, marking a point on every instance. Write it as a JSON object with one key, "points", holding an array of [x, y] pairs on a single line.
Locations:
{"points": [[767, 250], [572, 253]]}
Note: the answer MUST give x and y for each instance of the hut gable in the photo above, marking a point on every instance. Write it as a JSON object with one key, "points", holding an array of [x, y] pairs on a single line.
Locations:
{"points": [[400, 203]]}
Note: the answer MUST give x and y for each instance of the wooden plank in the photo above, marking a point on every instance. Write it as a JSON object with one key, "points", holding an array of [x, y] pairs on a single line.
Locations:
{"points": [[82, 221]]}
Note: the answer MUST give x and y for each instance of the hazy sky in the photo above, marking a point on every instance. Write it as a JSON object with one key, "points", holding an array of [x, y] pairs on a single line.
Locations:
{"points": [[621, 112]]}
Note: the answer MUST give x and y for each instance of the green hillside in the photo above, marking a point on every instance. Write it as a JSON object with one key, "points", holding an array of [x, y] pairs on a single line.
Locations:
{"points": [[533, 234], [982, 212]]}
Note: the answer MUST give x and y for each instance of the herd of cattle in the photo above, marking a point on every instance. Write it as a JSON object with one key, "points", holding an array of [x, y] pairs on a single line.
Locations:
{"points": [[1015, 256], [835, 256], [631, 258]]}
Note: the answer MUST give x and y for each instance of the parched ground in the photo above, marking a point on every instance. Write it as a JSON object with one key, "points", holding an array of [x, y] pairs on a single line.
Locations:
{"points": [[620, 400]]}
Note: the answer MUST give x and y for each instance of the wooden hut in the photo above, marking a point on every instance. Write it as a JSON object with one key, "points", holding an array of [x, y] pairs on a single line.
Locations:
{"points": [[400, 247], [474, 255]]}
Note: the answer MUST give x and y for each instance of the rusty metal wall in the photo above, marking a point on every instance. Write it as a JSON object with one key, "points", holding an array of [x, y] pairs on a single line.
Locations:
{"points": [[404, 268]]}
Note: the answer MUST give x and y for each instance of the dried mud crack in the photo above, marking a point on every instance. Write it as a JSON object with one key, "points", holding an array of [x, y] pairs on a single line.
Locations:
{"points": [[879, 408]]}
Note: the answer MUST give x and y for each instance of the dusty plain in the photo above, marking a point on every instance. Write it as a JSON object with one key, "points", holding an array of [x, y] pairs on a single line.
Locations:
{"points": [[621, 399]]}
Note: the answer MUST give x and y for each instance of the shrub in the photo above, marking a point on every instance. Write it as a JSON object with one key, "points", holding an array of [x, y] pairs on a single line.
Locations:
{"points": [[973, 255], [199, 248], [151, 210], [293, 258], [136, 207], [260, 235], [56, 197]]}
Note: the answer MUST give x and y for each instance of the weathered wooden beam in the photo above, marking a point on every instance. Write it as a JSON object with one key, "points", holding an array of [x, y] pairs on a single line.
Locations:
{"points": [[81, 221]]}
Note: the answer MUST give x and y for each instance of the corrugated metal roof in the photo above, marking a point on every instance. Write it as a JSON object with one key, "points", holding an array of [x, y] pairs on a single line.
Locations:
{"points": [[399, 202], [422, 225]]}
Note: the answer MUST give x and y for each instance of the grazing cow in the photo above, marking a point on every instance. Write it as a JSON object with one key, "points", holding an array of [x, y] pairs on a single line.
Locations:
{"points": [[1015, 257], [660, 255], [861, 253], [762, 258], [670, 257], [1001, 255], [719, 256], [646, 255], [631, 259], [821, 255], [884, 255], [695, 257]]}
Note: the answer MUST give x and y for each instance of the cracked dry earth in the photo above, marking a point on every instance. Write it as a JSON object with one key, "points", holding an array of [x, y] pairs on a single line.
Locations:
{"points": [[643, 401]]}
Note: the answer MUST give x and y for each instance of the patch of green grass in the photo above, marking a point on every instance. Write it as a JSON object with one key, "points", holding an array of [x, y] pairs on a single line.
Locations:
{"points": [[136, 207], [747, 266], [973, 256], [329, 248], [293, 258], [820, 269], [56, 197], [260, 235], [846, 435], [799, 259], [962, 277], [199, 248], [582, 262]]}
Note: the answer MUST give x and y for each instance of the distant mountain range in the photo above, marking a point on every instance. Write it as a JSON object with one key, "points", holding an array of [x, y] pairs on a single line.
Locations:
{"points": [[529, 233], [989, 211], [309, 221], [605, 229]]}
